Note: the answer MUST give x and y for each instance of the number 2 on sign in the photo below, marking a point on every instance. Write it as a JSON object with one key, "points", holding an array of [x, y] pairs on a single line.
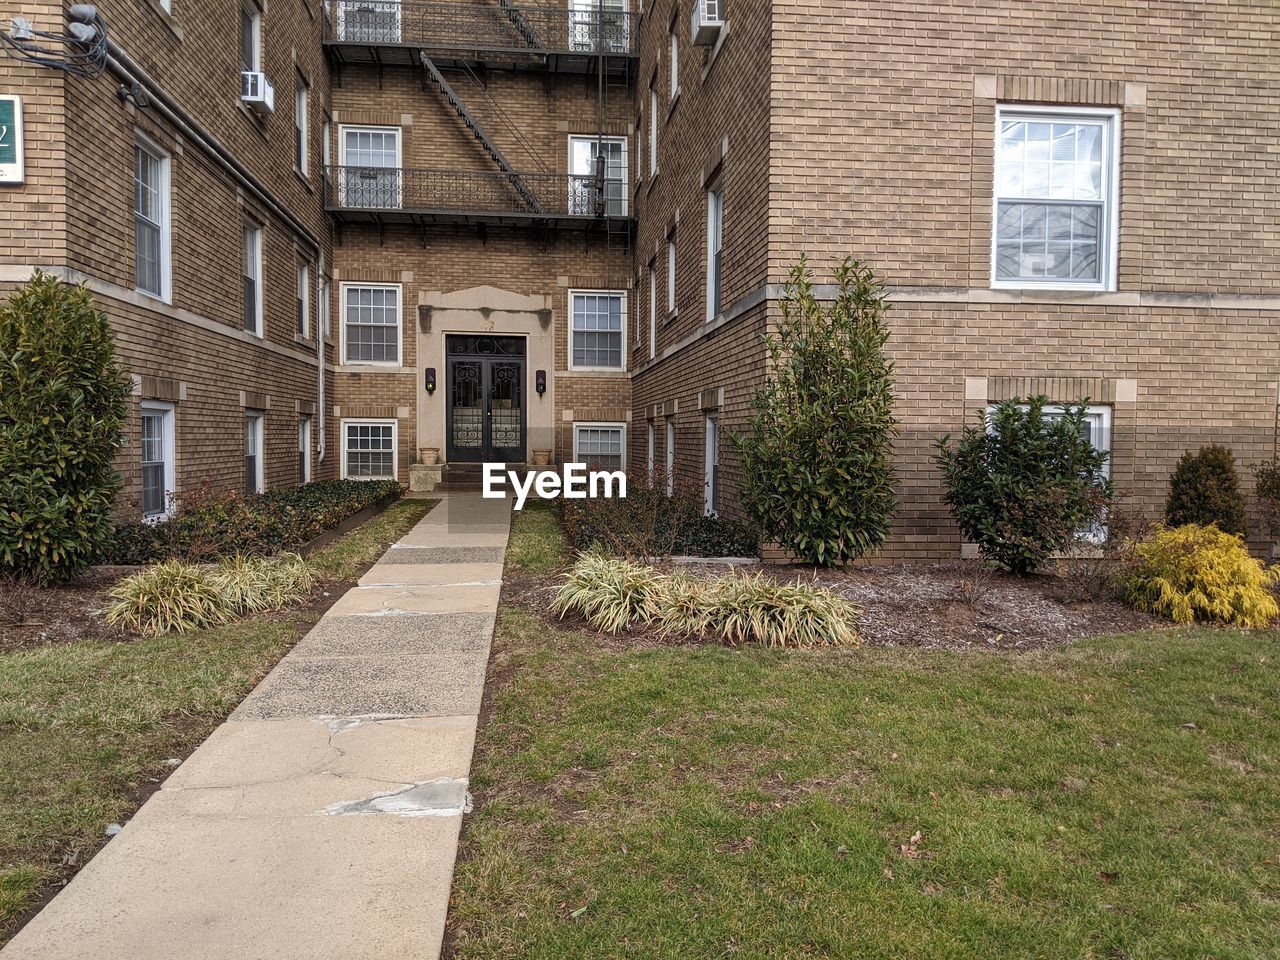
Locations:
{"points": [[4, 135]]}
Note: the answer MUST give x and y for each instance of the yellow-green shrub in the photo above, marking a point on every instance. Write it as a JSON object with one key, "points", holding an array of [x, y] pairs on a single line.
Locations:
{"points": [[1192, 573], [609, 592]]}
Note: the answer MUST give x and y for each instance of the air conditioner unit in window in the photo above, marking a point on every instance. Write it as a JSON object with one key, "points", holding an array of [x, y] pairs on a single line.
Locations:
{"points": [[257, 92], [707, 21]]}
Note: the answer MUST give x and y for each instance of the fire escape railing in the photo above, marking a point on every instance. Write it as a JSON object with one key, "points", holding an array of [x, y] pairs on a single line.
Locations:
{"points": [[502, 26], [410, 190]]}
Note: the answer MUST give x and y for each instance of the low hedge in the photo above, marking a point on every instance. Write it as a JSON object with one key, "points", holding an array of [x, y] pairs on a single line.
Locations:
{"points": [[207, 526]]}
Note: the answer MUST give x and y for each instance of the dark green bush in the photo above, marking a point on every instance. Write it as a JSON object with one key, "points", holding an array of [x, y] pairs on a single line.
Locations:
{"points": [[62, 413], [1021, 485], [1205, 489], [210, 525], [1267, 478], [817, 461]]}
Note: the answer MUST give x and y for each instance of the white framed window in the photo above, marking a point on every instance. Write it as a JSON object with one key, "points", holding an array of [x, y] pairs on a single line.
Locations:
{"points": [[151, 219], [673, 45], [597, 325], [251, 278], [650, 463], [653, 312], [583, 151], [653, 130], [166, 6], [304, 450], [301, 126], [715, 245], [711, 460], [671, 275], [370, 160], [158, 460], [326, 292], [1055, 209], [304, 301], [600, 444], [369, 449], [326, 130], [250, 37], [371, 323], [254, 423], [671, 457]]}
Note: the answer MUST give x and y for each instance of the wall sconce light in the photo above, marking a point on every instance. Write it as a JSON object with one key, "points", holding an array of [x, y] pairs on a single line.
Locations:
{"points": [[540, 382], [431, 380]]}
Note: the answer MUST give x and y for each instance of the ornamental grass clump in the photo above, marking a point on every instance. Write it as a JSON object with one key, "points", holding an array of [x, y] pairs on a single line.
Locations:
{"points": [[177, 597], [754, 609], [1193, 573], [610, 593]]}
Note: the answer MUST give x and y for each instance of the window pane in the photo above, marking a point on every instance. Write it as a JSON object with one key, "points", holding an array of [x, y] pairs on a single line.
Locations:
{"points": [[1059, 160], [370, 450], [1048, 241], [597, 330], [601, 446], [371, 325]]}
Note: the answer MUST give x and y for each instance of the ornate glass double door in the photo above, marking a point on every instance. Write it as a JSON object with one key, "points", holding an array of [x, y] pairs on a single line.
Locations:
{"points": [[486, 411]]}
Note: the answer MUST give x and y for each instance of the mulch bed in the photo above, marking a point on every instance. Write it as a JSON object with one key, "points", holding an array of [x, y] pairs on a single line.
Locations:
{"points": [[954, 606]]}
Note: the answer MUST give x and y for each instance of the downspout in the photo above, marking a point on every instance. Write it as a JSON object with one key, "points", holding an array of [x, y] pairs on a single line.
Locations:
{"points": [[127, 70], [320, 333]]}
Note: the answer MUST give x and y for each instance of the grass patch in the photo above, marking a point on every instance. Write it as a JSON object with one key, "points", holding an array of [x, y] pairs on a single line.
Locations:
{"points": [[85, 727], [1112, 799], [537, 544]]}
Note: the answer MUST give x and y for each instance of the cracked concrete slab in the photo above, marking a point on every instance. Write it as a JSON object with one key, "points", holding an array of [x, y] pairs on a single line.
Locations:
{"points": [[443, 797], [393, 601], [397, 635], [457, 554], [431, 574], [441, 685]]}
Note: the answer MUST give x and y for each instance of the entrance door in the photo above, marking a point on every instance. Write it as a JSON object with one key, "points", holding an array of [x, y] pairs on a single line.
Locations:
{"points": [[369, 158], [583, 152], [485, 416]]}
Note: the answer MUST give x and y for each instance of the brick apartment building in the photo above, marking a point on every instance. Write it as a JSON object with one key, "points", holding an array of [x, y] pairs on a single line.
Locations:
{"points": [[498, 228]]}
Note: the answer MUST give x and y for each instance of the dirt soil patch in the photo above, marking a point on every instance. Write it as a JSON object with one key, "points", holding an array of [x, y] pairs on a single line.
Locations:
{"points": [[951, 606]]}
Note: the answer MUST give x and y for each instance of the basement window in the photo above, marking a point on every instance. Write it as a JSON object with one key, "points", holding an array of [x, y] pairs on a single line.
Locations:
{"points": [[369, 449], [600, 444]]}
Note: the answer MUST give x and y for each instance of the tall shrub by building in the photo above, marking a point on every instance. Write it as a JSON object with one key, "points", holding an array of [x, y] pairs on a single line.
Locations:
{"points": [[1023, 485], [62, 413], [1205, 489], [817, 461]]}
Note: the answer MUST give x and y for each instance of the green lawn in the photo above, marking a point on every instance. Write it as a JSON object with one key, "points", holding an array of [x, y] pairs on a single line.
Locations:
{"points": [[84, 727], [1117, 798]]}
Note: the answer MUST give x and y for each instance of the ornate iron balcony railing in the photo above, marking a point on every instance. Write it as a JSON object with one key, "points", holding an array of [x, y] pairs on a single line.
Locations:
{"points": [[501, 26], [409, 190]]}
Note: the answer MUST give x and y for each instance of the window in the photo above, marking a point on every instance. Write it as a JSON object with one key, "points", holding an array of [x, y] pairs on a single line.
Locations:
{"points": [[251, 276], [304, 301], [596, 325], [369, 21], [653, 130], [301, 154], [649, 460], [371, 323], [1055, 198], [674, 46], [671, 457], [250, 38], [151, 219], [715, 241], [325, 132], [653, 312], [157, 460], [253, 455], [326, 291], [711, 495], [583, 185], [166, 6], [671, 275], [369, 158], [304, 450], [369, 449], [600, 444]]}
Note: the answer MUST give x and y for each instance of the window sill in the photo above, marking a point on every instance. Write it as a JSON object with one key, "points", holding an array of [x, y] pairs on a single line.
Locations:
{"points": [[671, 106], [258, 122], [595, 372], [1010, 286], [306, 180], [671, 317], [304, 341], [157, 297]]}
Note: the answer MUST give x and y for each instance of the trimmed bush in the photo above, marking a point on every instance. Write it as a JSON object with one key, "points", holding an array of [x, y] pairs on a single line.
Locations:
{"points": [[1205, 489], [1021, 485], [1195, 572], [177, 597], [613, 594], [62, 415], [1267, 478], [817, 460], [211, 525]]}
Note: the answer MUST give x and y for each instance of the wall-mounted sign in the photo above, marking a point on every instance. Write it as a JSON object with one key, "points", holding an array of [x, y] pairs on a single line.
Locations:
{"points": [[10, 139]]}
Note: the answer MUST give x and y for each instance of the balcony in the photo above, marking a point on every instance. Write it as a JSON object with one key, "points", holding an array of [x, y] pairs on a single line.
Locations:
{"points": [[420, 196], [566, 40]]}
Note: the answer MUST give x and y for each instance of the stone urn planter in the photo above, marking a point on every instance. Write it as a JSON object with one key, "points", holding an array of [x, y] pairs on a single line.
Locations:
{"points": [[428, 455], [541, 458]]}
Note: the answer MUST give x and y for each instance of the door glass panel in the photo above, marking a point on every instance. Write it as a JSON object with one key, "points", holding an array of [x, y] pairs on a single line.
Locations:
{"points": [[582, 169], [505, 402], [467, 404], [371, 171]]}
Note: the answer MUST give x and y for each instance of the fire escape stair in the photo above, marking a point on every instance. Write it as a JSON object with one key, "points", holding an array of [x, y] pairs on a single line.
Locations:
{"points": [[523, 27], [491, 148]]}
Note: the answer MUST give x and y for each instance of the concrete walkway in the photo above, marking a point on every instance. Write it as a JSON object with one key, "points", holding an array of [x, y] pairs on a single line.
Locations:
{"points": [[321, 820]]}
